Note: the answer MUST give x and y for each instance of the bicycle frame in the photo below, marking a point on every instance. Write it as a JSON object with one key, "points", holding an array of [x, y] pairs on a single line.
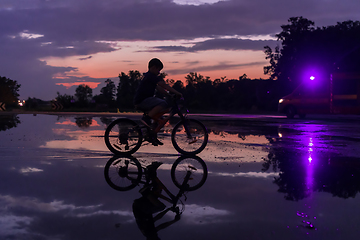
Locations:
{"points": [[173, 198], [175, 109]]}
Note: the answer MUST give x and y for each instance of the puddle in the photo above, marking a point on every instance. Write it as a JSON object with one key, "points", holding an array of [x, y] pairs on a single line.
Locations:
{"points": [[265, 181]]}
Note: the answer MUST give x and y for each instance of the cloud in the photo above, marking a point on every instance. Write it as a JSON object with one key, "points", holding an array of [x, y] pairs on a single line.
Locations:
{"points": [[30, 170], [36, 205], [60, 215], [85, 58], [219, 66], [68, 21], [31, 30], [220, 44], [196, 214], [11, 225]]}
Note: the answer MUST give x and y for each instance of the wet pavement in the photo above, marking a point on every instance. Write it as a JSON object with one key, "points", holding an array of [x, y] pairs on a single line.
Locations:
{"points": [[268, 178]]}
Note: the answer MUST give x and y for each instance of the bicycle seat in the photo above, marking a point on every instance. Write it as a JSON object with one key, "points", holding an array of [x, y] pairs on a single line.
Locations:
{"points": [[141, 110], [151, 169], [154, 166]]}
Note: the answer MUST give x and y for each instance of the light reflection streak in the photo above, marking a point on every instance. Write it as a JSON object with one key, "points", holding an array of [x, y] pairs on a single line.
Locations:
{"points": [[309, 162], [310, 167]]}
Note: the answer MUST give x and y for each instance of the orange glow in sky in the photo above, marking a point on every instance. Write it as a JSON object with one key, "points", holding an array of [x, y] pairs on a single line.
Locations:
{"points": [[69, 85], [135, 56]]}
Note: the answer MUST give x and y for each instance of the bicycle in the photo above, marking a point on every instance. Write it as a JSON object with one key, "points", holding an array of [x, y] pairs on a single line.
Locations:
{"points": [[124, 173], [125, 136], [187, 173]]}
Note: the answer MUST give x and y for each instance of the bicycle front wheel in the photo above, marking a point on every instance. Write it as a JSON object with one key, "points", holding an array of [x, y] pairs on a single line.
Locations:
{"points": [[123, 136], [197, 168], [189, 137], [123, 173]]}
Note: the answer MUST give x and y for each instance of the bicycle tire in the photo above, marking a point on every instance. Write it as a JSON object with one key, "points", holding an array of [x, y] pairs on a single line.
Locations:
{"points": [[123, 173], [186, 145], [195, 165], [123, 136]]}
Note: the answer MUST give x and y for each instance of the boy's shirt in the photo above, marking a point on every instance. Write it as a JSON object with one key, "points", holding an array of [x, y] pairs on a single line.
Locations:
{"points": [[146, 87]]}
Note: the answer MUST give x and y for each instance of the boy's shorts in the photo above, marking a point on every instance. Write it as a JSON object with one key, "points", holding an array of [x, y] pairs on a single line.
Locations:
{"points": [[151, 102]]}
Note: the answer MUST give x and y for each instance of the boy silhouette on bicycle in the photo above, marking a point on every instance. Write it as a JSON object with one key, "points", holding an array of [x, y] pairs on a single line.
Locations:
{"points": [[145, 100]]}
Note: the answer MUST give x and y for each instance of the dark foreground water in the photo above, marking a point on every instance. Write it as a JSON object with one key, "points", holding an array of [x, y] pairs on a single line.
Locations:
{"points": [[267, 180]]}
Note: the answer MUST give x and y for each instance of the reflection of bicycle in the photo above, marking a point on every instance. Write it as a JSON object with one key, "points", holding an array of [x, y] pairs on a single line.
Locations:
{"points": [[124, 136], [125, 173]]}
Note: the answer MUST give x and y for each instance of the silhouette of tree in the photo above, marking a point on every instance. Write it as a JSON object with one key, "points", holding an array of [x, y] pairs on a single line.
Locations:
{"points": [[307, 48], [9, 91], [203, 94], [285, 65], [107, 94], [179, 86], [126, 89], [65, 99], [83, 93]]}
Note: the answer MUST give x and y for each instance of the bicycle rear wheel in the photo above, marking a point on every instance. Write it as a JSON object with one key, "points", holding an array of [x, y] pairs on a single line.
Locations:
{"points": [[189, 137], [123, 136], [122, 173], [195, 165]]}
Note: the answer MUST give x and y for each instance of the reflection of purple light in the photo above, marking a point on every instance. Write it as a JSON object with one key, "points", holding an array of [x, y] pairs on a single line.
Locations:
{"points": [[312, 78]]}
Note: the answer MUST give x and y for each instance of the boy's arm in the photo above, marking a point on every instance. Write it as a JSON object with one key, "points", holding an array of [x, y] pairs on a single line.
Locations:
{"points": [[167, 87], [162, 90]]}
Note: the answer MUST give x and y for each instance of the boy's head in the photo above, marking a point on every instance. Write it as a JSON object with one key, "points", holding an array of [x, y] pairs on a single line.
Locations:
{"points": [[155, 65]]}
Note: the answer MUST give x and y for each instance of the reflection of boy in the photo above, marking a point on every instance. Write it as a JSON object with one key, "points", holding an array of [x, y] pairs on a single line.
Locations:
{"points": [[145, 207], [144, 99]]}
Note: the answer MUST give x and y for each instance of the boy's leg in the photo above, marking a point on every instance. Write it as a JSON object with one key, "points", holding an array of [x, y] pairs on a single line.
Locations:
{"points": [[157, 107], [156, 114]]}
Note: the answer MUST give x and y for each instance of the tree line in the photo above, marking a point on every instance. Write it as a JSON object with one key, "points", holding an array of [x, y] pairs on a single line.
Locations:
{"points": [[200, 93], [9, 91], [307, 50], [303, 49]]}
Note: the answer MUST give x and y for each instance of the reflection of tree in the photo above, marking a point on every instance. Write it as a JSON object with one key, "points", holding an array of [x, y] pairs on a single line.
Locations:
{"points": [[300, 176], [83, 122], [8, 121], [291, 180]]}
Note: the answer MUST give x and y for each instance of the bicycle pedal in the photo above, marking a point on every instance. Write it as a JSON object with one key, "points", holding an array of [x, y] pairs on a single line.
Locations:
{"points": [[192, 168]]}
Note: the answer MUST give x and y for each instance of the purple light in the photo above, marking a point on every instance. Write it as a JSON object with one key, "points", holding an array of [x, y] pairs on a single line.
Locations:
{"points": [[312, 78]]}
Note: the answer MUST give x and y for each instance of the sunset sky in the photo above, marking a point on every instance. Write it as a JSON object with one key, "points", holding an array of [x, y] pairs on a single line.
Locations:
{"points": [[55, 45]]}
